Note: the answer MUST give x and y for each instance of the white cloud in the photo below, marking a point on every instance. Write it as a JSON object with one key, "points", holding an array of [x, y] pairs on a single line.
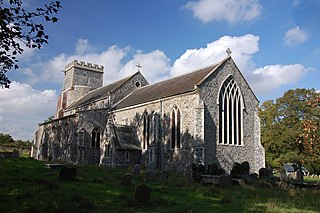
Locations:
{"points": [[271, 77], [242, 48], [295, 36], [22, 107], [118, 63], [232, 11]]}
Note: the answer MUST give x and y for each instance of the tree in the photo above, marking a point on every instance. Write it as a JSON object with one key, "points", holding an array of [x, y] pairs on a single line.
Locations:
{"points": [[5, 138], [309, 140], [281, 125], [19, 26]]}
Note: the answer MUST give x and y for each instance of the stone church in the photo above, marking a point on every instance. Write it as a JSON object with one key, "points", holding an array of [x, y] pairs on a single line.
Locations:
{"points": [[209, 115]]}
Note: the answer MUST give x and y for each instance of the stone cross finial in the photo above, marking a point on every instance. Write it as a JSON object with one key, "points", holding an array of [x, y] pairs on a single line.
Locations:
{"points": [[228, 51], [139, 67]]}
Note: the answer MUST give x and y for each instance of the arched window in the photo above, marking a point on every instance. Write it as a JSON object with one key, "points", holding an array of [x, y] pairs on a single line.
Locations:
{"points": [[230, 113], [146, 131], [95, 138], [175, 128]]}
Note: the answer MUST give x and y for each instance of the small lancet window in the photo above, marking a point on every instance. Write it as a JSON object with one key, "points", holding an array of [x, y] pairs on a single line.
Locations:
{"points": [[175, 128], [230, 113]]}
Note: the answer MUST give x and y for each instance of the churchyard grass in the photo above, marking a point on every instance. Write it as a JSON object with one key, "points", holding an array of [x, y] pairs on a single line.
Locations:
{"points": [[26, 185]]}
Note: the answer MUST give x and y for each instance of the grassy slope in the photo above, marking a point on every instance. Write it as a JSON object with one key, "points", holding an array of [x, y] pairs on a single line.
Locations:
{"points": [[27, 186]]}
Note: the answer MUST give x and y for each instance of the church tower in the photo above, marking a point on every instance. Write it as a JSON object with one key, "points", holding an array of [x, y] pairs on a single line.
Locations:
{"points": [[79, 79]]}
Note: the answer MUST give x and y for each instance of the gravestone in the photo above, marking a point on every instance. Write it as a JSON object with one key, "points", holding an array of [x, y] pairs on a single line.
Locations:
{"points": [[245, 168], [126, 179], [68, 174], [136, 170], [236, 170], [143, 194], [263, 173]]}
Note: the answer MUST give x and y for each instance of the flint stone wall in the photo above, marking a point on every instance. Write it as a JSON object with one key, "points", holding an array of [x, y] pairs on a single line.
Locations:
{"points": [[226, 155]]}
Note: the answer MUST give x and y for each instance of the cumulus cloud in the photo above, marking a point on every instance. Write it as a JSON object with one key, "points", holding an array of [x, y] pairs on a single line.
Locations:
{"points": [[295, 36], [242, 49], [118, 63], [231, 11], [271, 77], [22, 107]]}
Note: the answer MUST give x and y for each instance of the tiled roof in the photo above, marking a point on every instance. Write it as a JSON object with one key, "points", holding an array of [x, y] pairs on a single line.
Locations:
{"points": [[126, 137], [178, 85], [98, 93]]}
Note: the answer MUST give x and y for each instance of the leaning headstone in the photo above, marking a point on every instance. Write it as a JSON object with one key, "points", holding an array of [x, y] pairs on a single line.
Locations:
{"points": [[126, 179], [143, 194], [68, 174], [136, 170], [225, 181]]}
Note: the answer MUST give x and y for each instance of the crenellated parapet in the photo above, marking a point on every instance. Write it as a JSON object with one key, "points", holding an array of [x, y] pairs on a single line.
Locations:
{"points": [[84, 65]]}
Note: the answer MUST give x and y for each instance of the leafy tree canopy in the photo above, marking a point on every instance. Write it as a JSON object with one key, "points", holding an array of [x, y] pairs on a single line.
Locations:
{"points": [[5, 138], [19, 26], [281, 125]]}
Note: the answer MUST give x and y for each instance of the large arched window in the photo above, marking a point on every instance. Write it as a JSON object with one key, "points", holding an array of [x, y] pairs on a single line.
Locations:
{"points": [[230, 113], [175, 128], [95, 138]]}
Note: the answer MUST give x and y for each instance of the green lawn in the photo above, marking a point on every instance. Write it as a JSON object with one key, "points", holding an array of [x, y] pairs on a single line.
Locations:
{"points": [[26, 185]]}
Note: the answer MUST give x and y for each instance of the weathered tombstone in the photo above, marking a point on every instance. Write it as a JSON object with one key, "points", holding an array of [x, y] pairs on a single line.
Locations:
{"points": [[142, 194], [152, 166], [126, 179], [136, 170], [225, 181], [263, 173], [236, 170], [68, 174], [245, 168]]}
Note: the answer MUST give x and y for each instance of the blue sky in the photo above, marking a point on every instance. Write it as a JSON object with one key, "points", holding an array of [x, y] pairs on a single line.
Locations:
{"points": [[275, 44]]}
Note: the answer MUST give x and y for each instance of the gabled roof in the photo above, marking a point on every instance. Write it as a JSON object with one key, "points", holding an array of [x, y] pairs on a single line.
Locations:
{"points": [[126, 137], [175, 86], [99, 93]]}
